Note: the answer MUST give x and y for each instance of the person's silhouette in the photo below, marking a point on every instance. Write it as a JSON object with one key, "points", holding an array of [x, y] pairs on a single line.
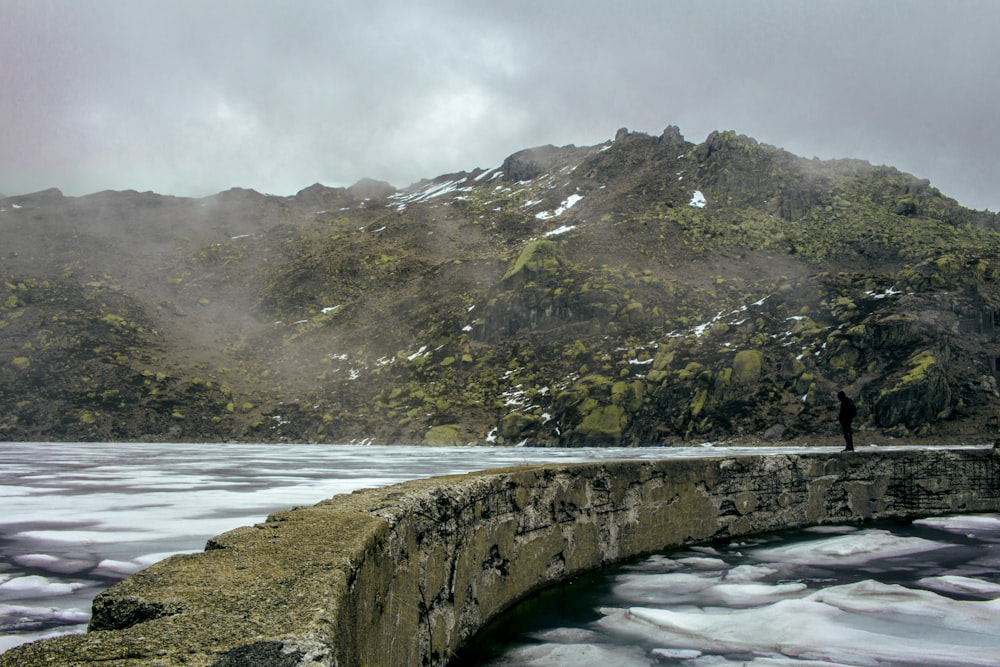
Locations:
{"points": [[846, 416]]}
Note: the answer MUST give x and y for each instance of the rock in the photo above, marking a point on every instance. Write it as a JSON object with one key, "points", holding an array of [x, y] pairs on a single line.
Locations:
{"points": [[915, 401], [894, 331], [444, 435], [602, 426], [747, 366], [897, 431], [775, 432], [368, 188], [514, 424], [672, 134], [527, 164]]}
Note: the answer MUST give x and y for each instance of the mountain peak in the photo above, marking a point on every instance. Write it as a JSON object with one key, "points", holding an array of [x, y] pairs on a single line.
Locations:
{"points": [[368, 188], [40, 197], [525, 165]]}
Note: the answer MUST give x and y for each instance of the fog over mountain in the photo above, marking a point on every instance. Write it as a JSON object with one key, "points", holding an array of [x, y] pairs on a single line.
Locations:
{"points": [[191, 98], [643, 290]]}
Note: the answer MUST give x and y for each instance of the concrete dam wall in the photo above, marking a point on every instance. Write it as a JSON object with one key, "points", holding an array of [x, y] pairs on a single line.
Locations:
{"points": [[404, 575]]}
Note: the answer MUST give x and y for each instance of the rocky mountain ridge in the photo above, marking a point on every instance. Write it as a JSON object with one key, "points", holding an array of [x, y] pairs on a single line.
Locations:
{"points": [[643, 291]]}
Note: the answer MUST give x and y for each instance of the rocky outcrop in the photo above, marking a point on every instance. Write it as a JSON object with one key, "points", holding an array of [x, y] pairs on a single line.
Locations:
{"points": [[920, 394], [531, 163], [527, 164], [406, 574], [368, 188]]}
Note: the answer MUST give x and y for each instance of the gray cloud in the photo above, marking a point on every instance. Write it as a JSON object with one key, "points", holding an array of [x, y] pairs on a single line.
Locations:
{"points": [[193, 97]]}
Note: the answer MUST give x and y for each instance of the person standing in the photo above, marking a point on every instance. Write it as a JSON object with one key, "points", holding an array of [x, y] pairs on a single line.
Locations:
{"points": [[847, 414]]}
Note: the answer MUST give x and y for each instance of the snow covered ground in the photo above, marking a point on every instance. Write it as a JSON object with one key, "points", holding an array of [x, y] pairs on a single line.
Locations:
{"points": [[79, 516]]}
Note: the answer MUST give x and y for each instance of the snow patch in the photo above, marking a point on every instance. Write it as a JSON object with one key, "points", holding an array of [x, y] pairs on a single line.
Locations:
{"points": [[483, 176], [429, 192], [567, 204], [888, 292], [418, 353], [561, 230]]}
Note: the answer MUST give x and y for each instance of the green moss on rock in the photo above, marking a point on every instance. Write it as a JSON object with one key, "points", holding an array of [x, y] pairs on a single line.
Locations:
{"points": [[698, 402], [919, 363], [514, 424], [747, 366], [444, 435], [538, 257], [602, 424]]}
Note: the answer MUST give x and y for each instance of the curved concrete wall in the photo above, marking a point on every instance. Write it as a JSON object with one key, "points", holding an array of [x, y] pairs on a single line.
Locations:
{"points": [[405, 574]]}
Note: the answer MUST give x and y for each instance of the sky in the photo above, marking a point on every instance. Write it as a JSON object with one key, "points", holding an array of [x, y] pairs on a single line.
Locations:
{"points": [[192, 97]]}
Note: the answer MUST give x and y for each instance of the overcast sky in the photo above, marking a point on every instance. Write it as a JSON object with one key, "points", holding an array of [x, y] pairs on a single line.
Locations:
{"points": [[191, 97]]}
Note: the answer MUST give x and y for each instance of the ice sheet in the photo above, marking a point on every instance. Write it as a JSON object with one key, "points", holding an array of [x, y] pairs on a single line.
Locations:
{"points": [[959, 585], [963, 524], [578, 655], [858, 624], [35, 586], [854, 548], [751, 613]]}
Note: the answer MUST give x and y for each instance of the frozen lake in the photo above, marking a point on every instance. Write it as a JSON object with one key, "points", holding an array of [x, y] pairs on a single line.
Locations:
{"points": [[79, 516], [889, 594]]}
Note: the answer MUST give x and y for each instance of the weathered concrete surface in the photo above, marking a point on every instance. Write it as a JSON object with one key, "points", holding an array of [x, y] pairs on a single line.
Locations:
{"points": [[403, 575]]}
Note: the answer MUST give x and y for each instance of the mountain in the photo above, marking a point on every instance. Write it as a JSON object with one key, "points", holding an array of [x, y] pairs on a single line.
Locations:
{"points": [[643, 291]]}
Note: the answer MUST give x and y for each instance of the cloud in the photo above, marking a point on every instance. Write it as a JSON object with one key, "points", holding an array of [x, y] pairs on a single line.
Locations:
{"points": [[195, 97]]}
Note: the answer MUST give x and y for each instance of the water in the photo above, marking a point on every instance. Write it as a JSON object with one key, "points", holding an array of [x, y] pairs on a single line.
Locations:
{"points": [[79, 516], [926, 593]]}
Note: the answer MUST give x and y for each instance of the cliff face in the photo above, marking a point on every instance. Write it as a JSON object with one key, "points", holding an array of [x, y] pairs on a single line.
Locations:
{"points": [[405, 574], [642, 291]]}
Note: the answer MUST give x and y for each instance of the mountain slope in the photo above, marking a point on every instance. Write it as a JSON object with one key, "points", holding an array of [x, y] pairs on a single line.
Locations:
{"points": [[642, 291]]}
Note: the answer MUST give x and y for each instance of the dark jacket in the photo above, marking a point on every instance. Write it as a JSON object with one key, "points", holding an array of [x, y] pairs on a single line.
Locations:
{"points": [[847, 410]]}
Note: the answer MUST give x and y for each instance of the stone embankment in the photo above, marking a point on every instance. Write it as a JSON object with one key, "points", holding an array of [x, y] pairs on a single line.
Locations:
{"points": [[404, 575]]}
